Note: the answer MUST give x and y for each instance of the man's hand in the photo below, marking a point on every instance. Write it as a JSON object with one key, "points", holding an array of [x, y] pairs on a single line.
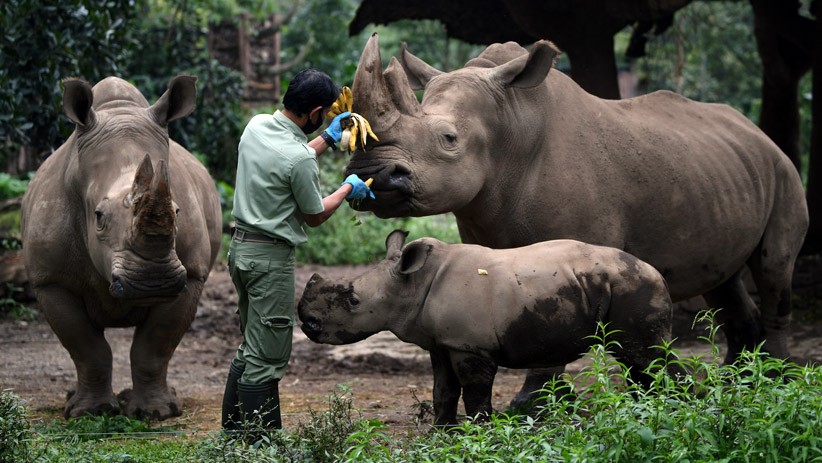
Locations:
{"points": [[335, 128], [360, 190]]}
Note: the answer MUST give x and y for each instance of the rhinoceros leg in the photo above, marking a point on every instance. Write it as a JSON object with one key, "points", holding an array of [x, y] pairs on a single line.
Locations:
{"points": [[85, 342], [737, 315], [446, 389], [535, 381], [772, 270], [154, 343], [476, 376]]}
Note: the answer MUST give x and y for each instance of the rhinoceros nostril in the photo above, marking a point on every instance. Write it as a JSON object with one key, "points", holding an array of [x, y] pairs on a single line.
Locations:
{"points": [[311, 325], [116, 289]]}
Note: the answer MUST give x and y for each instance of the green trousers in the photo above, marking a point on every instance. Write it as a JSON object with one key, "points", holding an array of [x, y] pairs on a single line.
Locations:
{"points": [[263, 274]]}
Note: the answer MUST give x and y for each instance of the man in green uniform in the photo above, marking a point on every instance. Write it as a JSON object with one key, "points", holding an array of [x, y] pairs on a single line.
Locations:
{"points": [[277, 192]]}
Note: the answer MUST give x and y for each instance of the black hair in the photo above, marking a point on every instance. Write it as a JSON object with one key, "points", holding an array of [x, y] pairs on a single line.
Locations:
{"points": [[308, 89]]}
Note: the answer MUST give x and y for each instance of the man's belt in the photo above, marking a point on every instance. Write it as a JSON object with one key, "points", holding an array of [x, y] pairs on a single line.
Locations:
{"points": [[241, 235]]}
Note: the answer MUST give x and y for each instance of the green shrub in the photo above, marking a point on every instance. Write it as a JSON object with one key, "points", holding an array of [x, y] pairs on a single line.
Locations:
{"points": [[322, 439], [44, 42], [11, 186], [14, 429], [353, 237], [12, 308], [758, 410]]}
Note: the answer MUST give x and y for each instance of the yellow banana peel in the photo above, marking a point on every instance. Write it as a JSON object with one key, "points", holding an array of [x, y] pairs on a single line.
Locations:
{"points": [[357, 129]]}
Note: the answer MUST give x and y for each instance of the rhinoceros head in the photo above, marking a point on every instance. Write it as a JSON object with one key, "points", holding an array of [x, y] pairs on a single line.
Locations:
{"points": [[130, 214], [441, 154], [350, 310]]}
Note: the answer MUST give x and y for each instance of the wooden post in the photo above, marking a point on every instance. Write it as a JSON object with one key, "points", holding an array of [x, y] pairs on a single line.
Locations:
{"points": [[243, 46]]}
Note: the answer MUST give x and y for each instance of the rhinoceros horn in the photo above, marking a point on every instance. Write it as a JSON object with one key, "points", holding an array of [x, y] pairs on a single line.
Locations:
{"points": [[382, 97], [154, 216]]}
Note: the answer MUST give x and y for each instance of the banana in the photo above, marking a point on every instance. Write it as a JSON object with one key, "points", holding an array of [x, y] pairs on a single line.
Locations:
{"points": [[352, 143], [345, 102], [348, 97], [359, 125]]}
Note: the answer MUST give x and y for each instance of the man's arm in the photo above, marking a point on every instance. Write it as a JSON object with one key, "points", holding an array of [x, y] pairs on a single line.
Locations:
{"points": [[319, 145], [330, 204]]}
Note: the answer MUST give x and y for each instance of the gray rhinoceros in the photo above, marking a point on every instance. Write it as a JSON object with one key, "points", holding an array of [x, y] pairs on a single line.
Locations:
{"points": [[120, 228], [521, 154], [475, 308]]}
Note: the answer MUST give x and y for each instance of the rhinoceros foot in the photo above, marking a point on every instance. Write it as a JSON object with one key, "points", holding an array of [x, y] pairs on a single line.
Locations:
{"points": [[155, 404], [88, 403]]}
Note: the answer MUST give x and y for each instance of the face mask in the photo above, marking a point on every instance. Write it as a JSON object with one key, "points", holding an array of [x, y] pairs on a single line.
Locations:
{"points": [[311, 127]]}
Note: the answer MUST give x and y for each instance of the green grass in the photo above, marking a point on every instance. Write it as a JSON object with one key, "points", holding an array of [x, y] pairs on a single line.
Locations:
{"points": [[758, 410]]}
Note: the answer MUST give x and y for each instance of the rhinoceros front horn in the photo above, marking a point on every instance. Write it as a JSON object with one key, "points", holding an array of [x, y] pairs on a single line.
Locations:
{"points": [[382, 97], [154, 216]]}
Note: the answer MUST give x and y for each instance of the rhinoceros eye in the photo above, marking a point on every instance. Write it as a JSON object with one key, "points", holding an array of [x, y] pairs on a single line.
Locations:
{"points": [[450, 138], [354, 301], [100, 218]]}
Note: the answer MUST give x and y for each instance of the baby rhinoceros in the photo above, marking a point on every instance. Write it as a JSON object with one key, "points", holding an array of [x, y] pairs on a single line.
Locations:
{"points": [[474, 308]]}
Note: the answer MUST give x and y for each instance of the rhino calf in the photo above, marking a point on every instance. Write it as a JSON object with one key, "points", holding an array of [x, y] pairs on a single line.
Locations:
{"points": [[475, 308]]}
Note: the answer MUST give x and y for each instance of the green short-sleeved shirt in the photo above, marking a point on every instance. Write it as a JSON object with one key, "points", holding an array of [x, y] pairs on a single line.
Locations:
{"points": [[277, 179]]}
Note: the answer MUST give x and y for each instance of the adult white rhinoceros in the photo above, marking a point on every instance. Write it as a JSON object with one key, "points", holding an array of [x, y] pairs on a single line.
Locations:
{"points": [[120, 228], [521, 154]]}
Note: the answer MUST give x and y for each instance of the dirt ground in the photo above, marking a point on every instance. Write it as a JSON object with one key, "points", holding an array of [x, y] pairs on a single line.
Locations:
{"points": [[387, 378]]}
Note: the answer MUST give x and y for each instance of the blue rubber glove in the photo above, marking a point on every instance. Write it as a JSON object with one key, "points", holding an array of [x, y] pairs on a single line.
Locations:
{"points": [[360, 190], [335, 129]]}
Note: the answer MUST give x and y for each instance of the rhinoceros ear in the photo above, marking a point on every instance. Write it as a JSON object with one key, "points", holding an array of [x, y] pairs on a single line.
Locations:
{"points": [[528, 70], [394, 242], [419, 72], [178, 101], [77, 101], [414, 256]]}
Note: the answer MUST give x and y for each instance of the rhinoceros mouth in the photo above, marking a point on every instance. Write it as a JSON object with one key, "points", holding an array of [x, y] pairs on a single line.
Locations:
{"points": [[392, 188], [147, 279]]}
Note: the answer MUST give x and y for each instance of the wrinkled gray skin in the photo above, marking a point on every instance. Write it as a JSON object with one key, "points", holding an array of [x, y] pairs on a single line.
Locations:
{"points": [[120, 228], [538, 306], [521, 154]]}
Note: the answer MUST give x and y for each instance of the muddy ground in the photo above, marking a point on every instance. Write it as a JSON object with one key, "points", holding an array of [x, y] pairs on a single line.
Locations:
{"points": [[388, 379]]}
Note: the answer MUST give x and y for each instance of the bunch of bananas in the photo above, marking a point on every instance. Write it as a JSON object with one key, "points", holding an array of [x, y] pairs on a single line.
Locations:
{"points": [[356, 126]]}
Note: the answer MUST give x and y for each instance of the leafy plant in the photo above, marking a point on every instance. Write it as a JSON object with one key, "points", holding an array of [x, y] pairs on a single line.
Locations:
{"points": [[14, 309], [100, 427], [14, 429], [175, 43], [12, 186], [44, 42]]}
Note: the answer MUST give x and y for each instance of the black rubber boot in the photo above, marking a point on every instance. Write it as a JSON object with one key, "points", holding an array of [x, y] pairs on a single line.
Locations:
{"points": [[260, 408], [232, 420]]}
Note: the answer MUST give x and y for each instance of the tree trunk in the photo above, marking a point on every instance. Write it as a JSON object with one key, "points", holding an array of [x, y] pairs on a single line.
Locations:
{"points": [[813, 241]]}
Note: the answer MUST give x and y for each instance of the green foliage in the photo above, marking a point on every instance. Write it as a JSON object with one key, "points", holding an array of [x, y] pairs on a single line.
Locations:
{"points": [[99, 427], [322, 439], [14, 429], [708, 54], [12, 186], [43, 42], [12, 308], [10, 229], [175, 43]]}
